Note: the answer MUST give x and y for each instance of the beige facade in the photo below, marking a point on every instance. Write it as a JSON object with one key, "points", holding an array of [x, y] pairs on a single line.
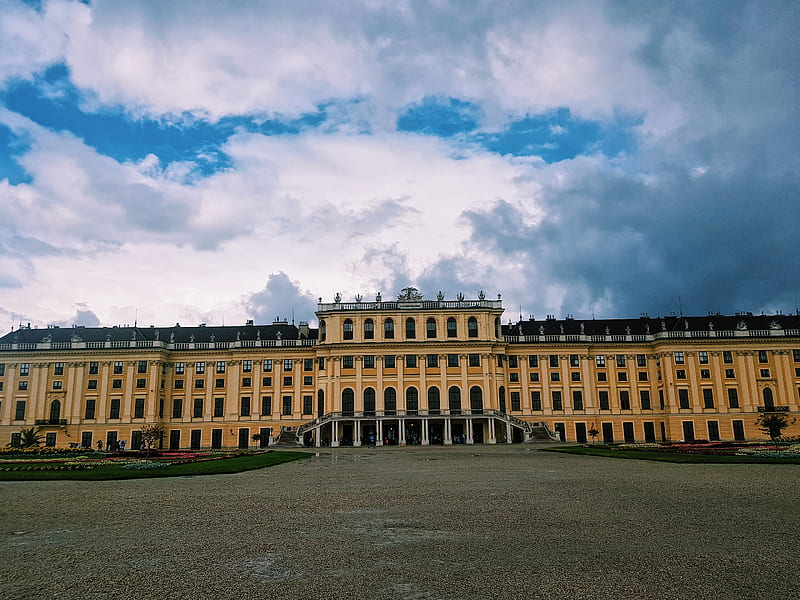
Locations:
{"points": [[406, 371]]}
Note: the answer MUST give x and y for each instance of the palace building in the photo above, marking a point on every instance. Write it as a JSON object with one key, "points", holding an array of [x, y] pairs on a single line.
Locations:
{"points": [[405, 371]]}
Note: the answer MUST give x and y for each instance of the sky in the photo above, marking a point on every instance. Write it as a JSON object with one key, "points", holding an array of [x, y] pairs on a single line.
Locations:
{"points": [[214, 161]]}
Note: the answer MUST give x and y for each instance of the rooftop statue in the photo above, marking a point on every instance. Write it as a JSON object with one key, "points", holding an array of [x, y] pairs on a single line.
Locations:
{"points": [[409, 294]]}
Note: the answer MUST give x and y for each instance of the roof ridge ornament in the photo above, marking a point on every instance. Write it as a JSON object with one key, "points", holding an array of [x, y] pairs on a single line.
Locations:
{"points": [[409, 294]]}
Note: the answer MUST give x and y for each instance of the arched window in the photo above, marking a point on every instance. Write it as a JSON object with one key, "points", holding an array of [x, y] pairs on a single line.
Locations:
{"points": [[769, 401], [434, 403], [369, 402], [412, 400], [320, 403], [348, 402], [348, 329], [454, 398], [476, 399], [452, 327], [430, 328], [472, 327], [498, 329], [389, 401], [411, 328], [55, 410], [502, 396], [369, 329], [322, 330], [388, 329]]}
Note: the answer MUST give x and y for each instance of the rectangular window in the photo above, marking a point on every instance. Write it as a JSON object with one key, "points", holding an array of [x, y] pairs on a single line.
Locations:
{"points": [[738, 430], [679, 358], [347, 362], [500, 360], [602, 376], [622, 376], [116, 384], [199, 384], [762, 356], [624, 400], [683, 398], [433, 360], [733, 398], [680, 374], [113, 412], [308, 364], [3, 368], [24, 369], [708, 398], [220, 366], [91, 403], [575, 376], [644, 397], [536, 400], [94, 368], [288, 364], [641, 360], [533, 361], [219, 407], [179, 384], [764, 372], [555, 376], [245, 406], [513, 361], [200, 368], [621, 360], [557, 401], [58, 368], [727, 356], [554, 361], [474, 360], [307, 405], [197, 410], [141, 366], [604, 404], [266, 381], [57, 385], [180, 368], [177, 408], [308, 380], [216, 438], [369, 362], [452, 360], [266, 405], [411, 360], [600, 361], [574, 360], [577, 400], [321, 363], [702, 356], [247, 381], [642, 375], [118, 367], [287, 405], [533, 376], [247, 366], [389, 362], [513, 377], [138, 408], [705, 373], [22, 386], [141, 383], [267, 366], [287, 381], [662, 405], [19, 410], [515, 402], [796, 355]]}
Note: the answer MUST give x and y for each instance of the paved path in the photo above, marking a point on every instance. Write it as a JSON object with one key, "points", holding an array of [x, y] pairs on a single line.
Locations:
{"points": [[411, 523]]}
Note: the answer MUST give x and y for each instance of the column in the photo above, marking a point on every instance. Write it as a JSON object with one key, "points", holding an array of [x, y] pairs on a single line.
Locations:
{"points": [[402, 432], [468, 427], [508, 433], [318, 434], [356, 432], [448, 438], [425, 440], [334, 434], [492, 438], [379, 433]]}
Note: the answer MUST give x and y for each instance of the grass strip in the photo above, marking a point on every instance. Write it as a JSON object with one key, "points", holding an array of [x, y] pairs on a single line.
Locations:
{"points": [[675, 457], [110, 471]]}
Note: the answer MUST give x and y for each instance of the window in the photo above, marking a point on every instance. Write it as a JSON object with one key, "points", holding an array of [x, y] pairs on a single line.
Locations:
{"points": [[199, 384], [557, 402], [411, 328], [57, 385], [91, 403], [411, 360], [308, 380], [500, 360], [602, 376], [624, 400], [179, 384], [574, 361], [515, 402], [94, 368], [321, 363], [219, 407], [555, 376], [604, 404], [553, 361], [641, 360], [308, 402], [764, 372], [434, 400], [369, 331], [19, 410], [286, 408], [288, 364], [680, 374], [200, 368], [577, 400], [247, 366], [683, 398], [266, 405], [474, 360], [347, 330], [113, 412], [3, 368], [369, 361], [389, 362], [513, 377], [679, 359], [705, 373], [267, 365], [600, 361], [412, 400], [433, 360], [762, 356], [536, 400], [197, 410], [24, 369], [513, 361], [141, 366], [534, 376], [58, 368], [452, 328], [430, 328], [180, 368], [116, 384], [220, 366], [308, 364], [533, 361], [730, 373], [141, 383], [472, 327], [575, 376], [733, 398], [347, 362], [287, 381], [622, 376], [388, 329], [662, 405], [727, 356], [177, 408], [795, 356], [247, 381], [91, 384], [708, 398], [322, 330], [642, 375], [244, 410], [389, 401], [621, 360], [702, 356], [118, 367], [644, 398], [452, 360]]}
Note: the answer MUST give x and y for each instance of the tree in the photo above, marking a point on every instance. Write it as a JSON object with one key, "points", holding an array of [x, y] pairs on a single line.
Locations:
{"points": [[773, 424], [593, 433], [30, 437], [151, 436]]}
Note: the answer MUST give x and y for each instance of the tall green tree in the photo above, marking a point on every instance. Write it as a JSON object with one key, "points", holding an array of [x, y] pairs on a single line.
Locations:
{"points": [[773, 424]]}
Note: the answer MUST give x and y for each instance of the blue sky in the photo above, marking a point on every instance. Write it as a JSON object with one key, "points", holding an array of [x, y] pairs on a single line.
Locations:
{"points": [[583, 157]]}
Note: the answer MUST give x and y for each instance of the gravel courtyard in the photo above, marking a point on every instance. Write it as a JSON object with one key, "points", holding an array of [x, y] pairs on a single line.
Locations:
{"points": [[411, 523]]}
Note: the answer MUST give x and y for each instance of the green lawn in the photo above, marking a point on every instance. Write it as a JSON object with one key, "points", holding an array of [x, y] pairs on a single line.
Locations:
{"points": [[675, 457], [116, 471]]}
